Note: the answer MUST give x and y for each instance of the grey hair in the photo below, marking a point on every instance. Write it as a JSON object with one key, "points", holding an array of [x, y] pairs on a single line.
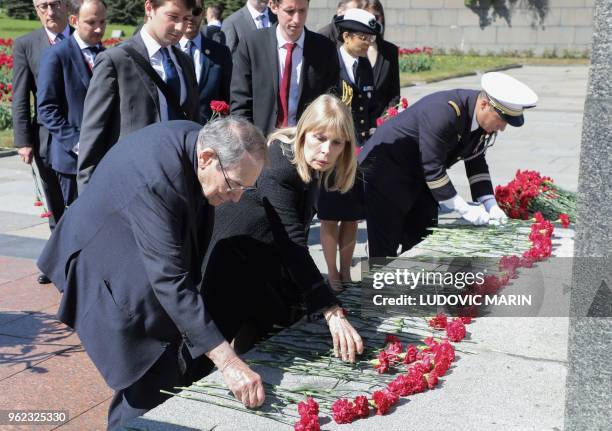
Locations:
{"points": [[230, 137]]}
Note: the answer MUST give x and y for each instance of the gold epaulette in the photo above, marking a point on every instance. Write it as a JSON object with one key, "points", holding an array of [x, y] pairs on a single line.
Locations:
{"points": [[347, 94], [455, 107]]}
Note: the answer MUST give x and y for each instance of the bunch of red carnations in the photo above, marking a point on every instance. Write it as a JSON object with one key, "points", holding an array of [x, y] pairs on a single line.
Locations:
{"points": [[309, 416], [530, 192], [392, 111]]}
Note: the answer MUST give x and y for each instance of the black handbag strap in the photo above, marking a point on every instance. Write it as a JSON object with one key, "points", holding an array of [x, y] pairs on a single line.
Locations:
{"points": [[145, 65]]}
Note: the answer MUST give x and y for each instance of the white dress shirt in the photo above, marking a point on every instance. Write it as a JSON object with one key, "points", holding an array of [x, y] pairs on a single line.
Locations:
{"points": [[197, 54], [87, 54], [214, 22], [297, 58], [265, 23], [156, 60], [348, 61]]}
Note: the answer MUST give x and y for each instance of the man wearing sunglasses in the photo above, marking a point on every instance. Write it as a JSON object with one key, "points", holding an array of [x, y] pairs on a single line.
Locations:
{"points": [[30, 139], [405, 163], [127, 258], [212, 61]]}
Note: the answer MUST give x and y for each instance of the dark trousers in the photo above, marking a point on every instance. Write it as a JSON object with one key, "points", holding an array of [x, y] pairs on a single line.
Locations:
{"points": [[68, 186], [52, 191], [171, 370], [389, 226]]}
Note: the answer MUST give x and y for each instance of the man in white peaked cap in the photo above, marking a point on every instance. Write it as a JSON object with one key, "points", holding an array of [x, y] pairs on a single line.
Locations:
{"points": [[405, 163]]}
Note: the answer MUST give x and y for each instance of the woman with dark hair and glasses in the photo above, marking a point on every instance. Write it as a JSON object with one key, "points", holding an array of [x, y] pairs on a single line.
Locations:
{"points": [[258, 259], [340, 213]]}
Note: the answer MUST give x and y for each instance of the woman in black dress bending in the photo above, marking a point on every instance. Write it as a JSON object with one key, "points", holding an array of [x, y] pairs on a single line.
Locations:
{"points": [[340, 213], [258, 258]]}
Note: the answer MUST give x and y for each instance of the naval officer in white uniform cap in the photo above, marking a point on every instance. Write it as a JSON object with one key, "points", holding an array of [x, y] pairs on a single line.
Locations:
{"points": [[405, 163]]}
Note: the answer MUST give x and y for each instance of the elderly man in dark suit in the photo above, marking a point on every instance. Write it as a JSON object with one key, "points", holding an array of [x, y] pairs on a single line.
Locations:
{"points": [[64, 77], [212, 61], [30, 139], [142, 81], [253, 16], [127, 257], [273, 96]]}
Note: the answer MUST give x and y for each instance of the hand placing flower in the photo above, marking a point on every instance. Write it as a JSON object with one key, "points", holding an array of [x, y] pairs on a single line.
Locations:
{"points": [[347, 342]]}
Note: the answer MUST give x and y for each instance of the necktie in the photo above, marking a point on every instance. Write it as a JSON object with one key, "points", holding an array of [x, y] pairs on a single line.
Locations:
{"points": [[283, 93], [355, 69], [261, 23], [58, 38], [94, 51], [173, 81], [190, 48]]}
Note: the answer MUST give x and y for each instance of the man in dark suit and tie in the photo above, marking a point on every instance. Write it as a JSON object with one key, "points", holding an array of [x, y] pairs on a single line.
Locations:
{"points": [[213, 63], [282, 69], [253, 16], [127, 258], [123, 95], [31, 140], [65, 72]]}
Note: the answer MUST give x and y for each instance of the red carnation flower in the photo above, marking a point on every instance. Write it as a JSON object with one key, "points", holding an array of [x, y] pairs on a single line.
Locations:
{"points": [[564, 219], [307, 423], [38, 203], [456, 330], [343, 411], [432, 380], [392, 112], [379, 121], [384, 362], [439, 321], [362, 407], [384, 400], [220, 107], [401, 385], [404, 102], [441, 367], [308, 408], [411, 354], [466, 319]]}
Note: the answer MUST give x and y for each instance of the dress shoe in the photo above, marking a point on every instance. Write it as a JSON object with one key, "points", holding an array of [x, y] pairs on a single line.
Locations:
{"points": [[43, 279]]}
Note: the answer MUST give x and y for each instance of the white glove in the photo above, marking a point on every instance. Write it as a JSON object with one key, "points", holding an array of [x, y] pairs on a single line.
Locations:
{"points": [[475, 214], [496, 214]]}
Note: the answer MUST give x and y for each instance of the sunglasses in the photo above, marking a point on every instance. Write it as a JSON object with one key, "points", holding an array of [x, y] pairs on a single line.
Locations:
{"points": [[196, 11]]}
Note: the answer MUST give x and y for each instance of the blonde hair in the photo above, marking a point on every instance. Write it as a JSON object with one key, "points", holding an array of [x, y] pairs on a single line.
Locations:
{"points": [[325, 113]]}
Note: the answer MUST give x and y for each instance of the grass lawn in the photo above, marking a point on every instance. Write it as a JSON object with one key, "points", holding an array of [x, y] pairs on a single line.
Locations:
{"points": [[6, 138], [13, 28], [448, 66]]}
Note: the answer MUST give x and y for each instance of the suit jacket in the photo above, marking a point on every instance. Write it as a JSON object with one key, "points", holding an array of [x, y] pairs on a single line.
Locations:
{"points": [[26, 54], [63, 81], [255, 77], [236, 26], [122, 99], [215, 75], [214, 32], [275, 221], [414, 150], [127, 254], [386, 77]]}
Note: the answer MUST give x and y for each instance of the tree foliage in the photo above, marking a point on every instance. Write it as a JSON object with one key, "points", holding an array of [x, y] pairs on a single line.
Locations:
{"points": [[129, 12], [20, 9]]}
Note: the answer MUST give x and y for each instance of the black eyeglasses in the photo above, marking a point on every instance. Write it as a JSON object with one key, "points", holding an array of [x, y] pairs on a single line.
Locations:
{"points": [[229, 186], [196, 11]]}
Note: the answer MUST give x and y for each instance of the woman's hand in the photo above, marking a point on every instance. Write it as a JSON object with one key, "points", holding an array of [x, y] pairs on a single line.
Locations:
{"points": [[245, 384], [347, 341]]}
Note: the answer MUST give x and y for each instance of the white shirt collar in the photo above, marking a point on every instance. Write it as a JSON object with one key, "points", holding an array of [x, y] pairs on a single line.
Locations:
{"points": [[197, 40], [255, 13], [475, 124], [280, 39], [216, 22], [151, 44], [52, 36], [347, 58], [80, 42]]}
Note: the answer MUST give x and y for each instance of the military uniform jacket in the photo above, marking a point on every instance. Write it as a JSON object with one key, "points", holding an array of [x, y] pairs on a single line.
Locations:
{"points": [[358, 96], [414, 149]]}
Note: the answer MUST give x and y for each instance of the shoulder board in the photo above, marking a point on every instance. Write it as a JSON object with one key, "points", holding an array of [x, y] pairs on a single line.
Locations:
{"points": [[455, 107]]}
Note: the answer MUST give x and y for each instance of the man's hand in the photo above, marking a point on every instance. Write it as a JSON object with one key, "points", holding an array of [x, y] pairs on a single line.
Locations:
{"points": [[496, 214], [347, 341], [26, 154], [245, 384], [475, 214]]}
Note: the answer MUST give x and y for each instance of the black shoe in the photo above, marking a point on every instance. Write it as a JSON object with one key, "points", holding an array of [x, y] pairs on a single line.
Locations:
{"points": [[43, 279]]}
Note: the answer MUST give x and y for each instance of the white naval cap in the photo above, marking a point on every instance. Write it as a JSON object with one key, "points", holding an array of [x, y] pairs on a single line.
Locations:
{"points": [[358, 20], [508, 96]]}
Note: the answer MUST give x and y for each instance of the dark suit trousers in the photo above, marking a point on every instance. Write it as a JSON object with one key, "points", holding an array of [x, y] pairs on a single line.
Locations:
{"points": [[68, 185], [389, 226], [52, 191], [171, 369]]}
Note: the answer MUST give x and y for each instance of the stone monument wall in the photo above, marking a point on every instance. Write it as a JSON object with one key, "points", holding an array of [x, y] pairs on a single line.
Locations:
{"points": [[540, 26]]}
